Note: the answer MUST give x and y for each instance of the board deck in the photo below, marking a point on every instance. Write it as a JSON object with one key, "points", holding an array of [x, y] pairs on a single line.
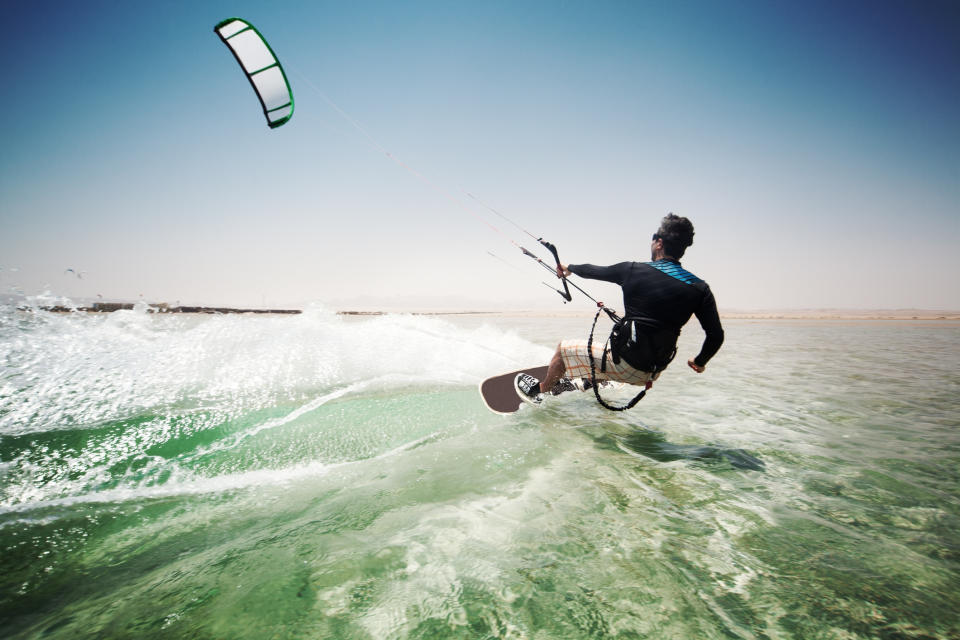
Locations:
{"points": [[499, 394]]}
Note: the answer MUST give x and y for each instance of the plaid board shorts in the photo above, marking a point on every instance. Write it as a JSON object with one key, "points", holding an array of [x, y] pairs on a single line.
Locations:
{"points": [[577, 362]]}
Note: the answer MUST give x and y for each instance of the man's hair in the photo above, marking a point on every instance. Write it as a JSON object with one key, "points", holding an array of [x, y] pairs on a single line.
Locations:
{"points": [[676, 233]]}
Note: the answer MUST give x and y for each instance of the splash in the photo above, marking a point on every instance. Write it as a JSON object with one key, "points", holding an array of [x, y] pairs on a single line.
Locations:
{"points": [[74, 371], [99, 407]]}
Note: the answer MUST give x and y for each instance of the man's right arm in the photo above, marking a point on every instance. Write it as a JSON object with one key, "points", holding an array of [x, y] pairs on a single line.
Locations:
{"points": [[615, 273]]}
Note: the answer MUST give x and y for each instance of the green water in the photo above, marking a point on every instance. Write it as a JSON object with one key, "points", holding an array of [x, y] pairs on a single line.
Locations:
{"points": [[315, 477]]}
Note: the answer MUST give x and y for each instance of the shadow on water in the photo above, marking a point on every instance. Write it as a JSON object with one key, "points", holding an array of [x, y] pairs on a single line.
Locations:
{"points": [[653, 445]]}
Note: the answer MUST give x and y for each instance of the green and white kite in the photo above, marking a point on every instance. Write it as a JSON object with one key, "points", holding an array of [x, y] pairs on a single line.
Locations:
{"points": [[261, 67]]}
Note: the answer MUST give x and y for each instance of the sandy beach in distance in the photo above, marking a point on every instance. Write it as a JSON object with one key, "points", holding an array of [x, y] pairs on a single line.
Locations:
{"points": [[848, 315], [926, 315]]}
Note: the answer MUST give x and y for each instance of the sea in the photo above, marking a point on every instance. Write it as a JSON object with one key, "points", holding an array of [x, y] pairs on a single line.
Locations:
{"points": [[330, 476]]}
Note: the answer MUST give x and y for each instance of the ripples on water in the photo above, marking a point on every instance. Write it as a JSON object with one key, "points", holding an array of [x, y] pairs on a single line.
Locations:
{"points": [[329, 477]]}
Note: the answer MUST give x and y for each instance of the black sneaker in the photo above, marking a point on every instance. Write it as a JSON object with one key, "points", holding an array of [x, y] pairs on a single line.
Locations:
{"points": [[528, 388], [587, 385], [563, 384]]}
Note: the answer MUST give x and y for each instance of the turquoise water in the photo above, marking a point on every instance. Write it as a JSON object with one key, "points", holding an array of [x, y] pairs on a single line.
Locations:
{"points": [[320, 476]]}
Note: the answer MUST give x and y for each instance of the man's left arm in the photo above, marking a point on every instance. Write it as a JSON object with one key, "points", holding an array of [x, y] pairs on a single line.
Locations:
{"points": [[709, 319]]}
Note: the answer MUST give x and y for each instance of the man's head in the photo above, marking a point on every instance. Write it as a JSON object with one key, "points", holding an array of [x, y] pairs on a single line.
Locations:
{"points": [[674, 236]]}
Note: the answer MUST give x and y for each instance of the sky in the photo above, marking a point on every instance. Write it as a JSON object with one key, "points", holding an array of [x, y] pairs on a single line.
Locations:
{"points": [[815, 146]]}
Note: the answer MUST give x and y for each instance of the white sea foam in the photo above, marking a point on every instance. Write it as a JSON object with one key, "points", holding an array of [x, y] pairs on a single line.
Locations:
{"points": [[168, 403], [69, 371]]}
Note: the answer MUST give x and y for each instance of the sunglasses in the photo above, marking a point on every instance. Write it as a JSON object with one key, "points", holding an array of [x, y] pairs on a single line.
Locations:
{"points": [[656, 237]]}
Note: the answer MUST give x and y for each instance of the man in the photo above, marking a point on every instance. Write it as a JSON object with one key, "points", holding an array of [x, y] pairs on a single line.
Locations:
{"points": [[658, 297]]}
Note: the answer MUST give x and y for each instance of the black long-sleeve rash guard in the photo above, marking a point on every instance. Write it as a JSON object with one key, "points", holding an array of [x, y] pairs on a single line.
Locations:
{"points": [[650, 291]]}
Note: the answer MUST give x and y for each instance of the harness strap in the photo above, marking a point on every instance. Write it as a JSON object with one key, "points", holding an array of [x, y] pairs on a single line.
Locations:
{"points": [[603, 364]]}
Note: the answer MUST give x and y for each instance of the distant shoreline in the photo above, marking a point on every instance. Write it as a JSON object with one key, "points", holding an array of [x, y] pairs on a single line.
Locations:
{"points": [[787, 314], [110, 307], [850, 315], [801, 314]]}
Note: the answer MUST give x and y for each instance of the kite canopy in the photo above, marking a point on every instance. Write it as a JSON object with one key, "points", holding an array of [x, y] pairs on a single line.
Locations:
{"points": [[262, 68]]}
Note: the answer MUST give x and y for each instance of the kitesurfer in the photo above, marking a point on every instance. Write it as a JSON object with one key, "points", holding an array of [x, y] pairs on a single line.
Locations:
{"points": [[658, 297]]}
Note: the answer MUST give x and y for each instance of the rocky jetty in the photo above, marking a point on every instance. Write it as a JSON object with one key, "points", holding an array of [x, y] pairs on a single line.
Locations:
{"points": [[109, 307]]}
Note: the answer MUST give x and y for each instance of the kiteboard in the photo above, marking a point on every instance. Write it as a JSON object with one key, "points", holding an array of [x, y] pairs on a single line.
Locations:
{"points": [[500, 394]]}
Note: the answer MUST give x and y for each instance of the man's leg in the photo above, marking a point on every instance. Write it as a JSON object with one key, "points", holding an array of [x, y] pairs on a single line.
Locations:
{"points": [[554, 372]]}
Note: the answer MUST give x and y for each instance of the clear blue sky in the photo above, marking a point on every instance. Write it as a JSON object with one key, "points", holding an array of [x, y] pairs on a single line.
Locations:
{"points": [[815, 146]]}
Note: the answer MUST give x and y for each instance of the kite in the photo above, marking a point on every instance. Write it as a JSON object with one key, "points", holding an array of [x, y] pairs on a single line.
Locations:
{"points": [[261, 67]]}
